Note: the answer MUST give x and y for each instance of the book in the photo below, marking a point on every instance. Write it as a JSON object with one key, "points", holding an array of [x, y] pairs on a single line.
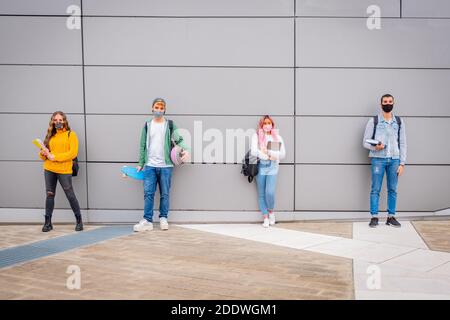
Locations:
{"points": [[273, 146], [38, 143], [373, 142]]}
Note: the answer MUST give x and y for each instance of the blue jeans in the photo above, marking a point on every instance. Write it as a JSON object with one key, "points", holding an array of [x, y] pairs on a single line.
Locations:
{"points": [[379, 166], [152, 176], [266, 192]]}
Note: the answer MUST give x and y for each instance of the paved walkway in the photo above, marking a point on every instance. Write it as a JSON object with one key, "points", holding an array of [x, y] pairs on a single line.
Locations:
{"points": [[407, 269], [180, 264], [301, 260]]}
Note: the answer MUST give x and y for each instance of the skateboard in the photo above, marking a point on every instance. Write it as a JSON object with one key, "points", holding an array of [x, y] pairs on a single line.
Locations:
{"points": [[132, 173]]}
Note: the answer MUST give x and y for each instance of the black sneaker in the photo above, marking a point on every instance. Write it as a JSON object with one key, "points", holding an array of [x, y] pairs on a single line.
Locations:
{"points": [[373, 222], [391, 221]]}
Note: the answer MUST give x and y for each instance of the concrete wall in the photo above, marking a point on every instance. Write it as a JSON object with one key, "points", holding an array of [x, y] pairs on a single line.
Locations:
{"points": [[314, 65]]}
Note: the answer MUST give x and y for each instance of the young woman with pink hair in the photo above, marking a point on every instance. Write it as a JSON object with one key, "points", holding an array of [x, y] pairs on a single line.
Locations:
{"points": [[268, 146]]}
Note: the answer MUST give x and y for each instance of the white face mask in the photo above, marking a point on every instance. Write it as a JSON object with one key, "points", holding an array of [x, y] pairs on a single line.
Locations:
{"points": [[267, 127]]}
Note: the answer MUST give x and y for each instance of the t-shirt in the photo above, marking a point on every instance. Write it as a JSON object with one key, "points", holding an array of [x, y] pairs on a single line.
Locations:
{"points": [[156, 148]]}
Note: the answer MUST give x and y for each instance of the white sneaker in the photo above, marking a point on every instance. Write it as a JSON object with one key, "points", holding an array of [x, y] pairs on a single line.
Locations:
{"points": [[163, 224], [143, 225], [266, 223], [272, 219]]}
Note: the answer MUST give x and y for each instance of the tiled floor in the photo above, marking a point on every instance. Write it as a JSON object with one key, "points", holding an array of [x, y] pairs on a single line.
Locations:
{"points": [[182, 264], [307, 260], [14, 235], [436, 234], [330, 228], [405, 266]]}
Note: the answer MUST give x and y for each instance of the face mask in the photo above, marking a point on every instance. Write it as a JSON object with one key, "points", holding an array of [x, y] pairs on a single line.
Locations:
{"points": [[59, 125], [158, 114], [387, 107], [267, 127]]}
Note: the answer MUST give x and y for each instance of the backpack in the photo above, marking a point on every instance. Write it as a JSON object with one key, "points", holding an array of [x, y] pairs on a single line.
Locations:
{"points": [[75, 166], [250, 166], [375, 123]]}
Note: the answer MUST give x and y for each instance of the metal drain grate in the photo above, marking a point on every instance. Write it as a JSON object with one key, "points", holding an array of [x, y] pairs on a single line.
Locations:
{"points": [[39, 249]]}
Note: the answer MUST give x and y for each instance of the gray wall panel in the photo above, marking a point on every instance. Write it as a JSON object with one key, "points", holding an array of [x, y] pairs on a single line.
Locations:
{"points": [[44, 7], [189, 7], [38, 40], [346, 8], [32, 126], [41, 89], [358, 91], [125, 132], [347, 187], [197, 187], [23, 186], [226, 63], [198, 42], [429, 8], [233, 91], [343, 42], [427, 140]]}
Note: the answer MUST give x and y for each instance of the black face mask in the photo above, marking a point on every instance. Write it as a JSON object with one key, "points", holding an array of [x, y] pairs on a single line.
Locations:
{"points": [[59, 125], [387, 107]]}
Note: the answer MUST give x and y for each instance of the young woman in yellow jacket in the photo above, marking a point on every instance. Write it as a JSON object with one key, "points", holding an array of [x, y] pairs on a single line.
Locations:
{"points": [[61, 148]]}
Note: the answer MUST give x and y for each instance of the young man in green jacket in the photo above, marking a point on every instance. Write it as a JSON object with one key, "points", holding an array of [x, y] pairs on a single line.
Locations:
{"points": [[154, 159]]}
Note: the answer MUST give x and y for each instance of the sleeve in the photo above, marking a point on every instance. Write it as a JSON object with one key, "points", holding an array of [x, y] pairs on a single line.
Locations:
{"points": [[403, 146], [254, 150], [142, 146], [368, 135], [73, 149], [178, 139], [281, 154]]}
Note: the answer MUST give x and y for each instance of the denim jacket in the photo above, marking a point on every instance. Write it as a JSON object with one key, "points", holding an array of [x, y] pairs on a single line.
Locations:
{"points": [[387, 133]]}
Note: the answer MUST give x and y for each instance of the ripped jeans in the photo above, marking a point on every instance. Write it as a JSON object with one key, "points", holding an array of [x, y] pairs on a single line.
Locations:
{"points": [[379, 167], [51, 179]]}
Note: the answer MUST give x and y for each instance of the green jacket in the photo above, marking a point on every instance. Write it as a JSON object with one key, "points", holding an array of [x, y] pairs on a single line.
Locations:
{"points": [[176, 137]]}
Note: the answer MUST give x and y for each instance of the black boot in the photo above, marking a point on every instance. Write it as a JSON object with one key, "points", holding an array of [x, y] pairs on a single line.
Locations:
{"points": [[79, 226], [47, 225]]}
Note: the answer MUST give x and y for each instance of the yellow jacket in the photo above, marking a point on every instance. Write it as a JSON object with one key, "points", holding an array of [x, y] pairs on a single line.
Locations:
{"points": [[65, 149]]}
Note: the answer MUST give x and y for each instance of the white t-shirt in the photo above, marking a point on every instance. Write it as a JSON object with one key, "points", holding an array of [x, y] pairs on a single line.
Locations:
{"points": [[156, 148]]}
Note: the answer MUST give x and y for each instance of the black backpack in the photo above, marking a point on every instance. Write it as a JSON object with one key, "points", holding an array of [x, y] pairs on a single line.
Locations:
{"points": [[375, 123], [75, 166], [250, 166]]}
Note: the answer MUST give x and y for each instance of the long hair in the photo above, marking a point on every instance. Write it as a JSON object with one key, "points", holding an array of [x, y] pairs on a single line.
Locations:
{"points": [[51, 131], [262, 134]]}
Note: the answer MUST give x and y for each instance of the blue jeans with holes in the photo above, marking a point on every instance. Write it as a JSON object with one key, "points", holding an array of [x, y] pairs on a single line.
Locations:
{"points": [[266, 184], [379, 167], [152, 177]]}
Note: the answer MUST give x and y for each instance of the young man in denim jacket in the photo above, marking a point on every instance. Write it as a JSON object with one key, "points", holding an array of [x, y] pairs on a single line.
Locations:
{"points": [[389, 156]]}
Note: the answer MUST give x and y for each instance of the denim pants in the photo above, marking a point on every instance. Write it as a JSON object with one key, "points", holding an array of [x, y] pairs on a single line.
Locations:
{"points": [[266, 191], [379, 167], [153, 176], [51, 179]]}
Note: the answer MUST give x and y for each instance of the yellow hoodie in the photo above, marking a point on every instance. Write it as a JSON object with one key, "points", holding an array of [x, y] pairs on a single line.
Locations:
{"points": [[65, 149]]}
